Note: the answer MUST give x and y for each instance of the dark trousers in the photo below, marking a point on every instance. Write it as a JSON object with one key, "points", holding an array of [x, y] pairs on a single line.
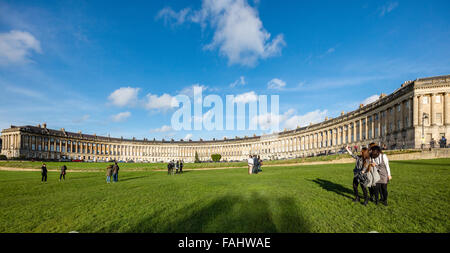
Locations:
{"points": [[355, 189], [116, 177], [181, 169], [372, 192], [44, 177], [63, 176], [381, 189]]}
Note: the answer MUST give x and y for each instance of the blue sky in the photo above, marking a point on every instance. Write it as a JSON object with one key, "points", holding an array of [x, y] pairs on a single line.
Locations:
{"points": [[61, 62]]}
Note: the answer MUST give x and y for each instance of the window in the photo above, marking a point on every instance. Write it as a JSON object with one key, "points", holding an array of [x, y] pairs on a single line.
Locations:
{"points": [[438, 99], [439, 118], [399, 107], [425, 100]]}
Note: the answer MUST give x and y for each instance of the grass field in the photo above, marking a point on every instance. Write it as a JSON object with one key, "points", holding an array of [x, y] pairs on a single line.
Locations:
{"points": [[158, 166], [309, 198]]}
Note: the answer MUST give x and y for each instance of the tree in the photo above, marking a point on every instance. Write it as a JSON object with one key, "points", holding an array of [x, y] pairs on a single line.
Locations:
{"points": [[197, 160], [216, 157]]}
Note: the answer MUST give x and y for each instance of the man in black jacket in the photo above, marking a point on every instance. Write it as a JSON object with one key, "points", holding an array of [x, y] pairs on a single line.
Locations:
{"points": [[44, 173], [63, 173], [115, 172]]}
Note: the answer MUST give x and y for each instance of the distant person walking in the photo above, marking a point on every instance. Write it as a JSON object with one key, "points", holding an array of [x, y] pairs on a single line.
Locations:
{"points": [[44, 173], [181, 166], [432, 143], [250, 164], [169, 168], [115, 172], [63, 173], [259, 164], [255, 164], [109, 173], [443, 142]]}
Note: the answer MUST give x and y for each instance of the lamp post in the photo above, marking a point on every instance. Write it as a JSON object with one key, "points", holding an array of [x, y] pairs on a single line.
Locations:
{"points": [[424, 116]]}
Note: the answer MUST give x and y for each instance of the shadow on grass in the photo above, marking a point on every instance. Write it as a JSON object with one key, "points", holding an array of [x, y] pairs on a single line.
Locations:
{"points": [[230, 214], [334, 187]]}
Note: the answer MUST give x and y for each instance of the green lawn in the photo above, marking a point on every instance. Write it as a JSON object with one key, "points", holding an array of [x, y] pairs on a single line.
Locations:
{"points": [[281, 199], [156, 166]]}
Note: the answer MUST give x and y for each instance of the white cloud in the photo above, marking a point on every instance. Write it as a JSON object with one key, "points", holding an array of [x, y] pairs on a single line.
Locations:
{"points": [[162, 129], [289, 119], [276, 84], [17, 46], [388, 7], [305, 119], [370, 99], [246, 97], [120, 117], [187, 137], [238, 31], [189, 91], [124, 96], [171, 16], [163, 102], [240, 81]]}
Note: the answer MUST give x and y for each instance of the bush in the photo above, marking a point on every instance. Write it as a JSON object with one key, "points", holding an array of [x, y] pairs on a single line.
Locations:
{"points": [[216, 157], [197, 160], [3, 157]]}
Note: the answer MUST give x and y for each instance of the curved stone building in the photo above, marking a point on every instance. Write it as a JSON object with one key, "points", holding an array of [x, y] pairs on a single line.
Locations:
{"points": [[398, 120]]}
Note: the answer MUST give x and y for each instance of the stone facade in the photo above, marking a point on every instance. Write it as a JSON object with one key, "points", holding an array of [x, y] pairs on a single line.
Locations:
{"points": [[396, 120]]}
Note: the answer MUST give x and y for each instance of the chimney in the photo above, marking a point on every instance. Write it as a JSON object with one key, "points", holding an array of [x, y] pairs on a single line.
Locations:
{"points": [[44, 125], [326, 118], [39, 125], [342, 113], [382, 95], [361, 105]]}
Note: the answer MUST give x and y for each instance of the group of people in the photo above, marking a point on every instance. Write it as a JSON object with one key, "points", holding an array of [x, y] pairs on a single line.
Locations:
{"points": [[254, 164], [175, 167], [44, 171], [371, 172], [442, 142], [112, 170]]}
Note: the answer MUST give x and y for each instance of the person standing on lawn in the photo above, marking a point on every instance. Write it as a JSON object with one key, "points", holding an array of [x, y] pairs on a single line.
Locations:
{"points": [[181, 166], [115, 172], [361, 166], [381, 163], [250, 164], [44, 173], [109, 173], [255, 164], [63, 173]]}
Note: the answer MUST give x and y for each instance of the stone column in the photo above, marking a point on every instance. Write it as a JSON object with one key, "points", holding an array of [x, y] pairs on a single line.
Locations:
{"points": [[415, 111], [432, 114], [446, 114]]}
